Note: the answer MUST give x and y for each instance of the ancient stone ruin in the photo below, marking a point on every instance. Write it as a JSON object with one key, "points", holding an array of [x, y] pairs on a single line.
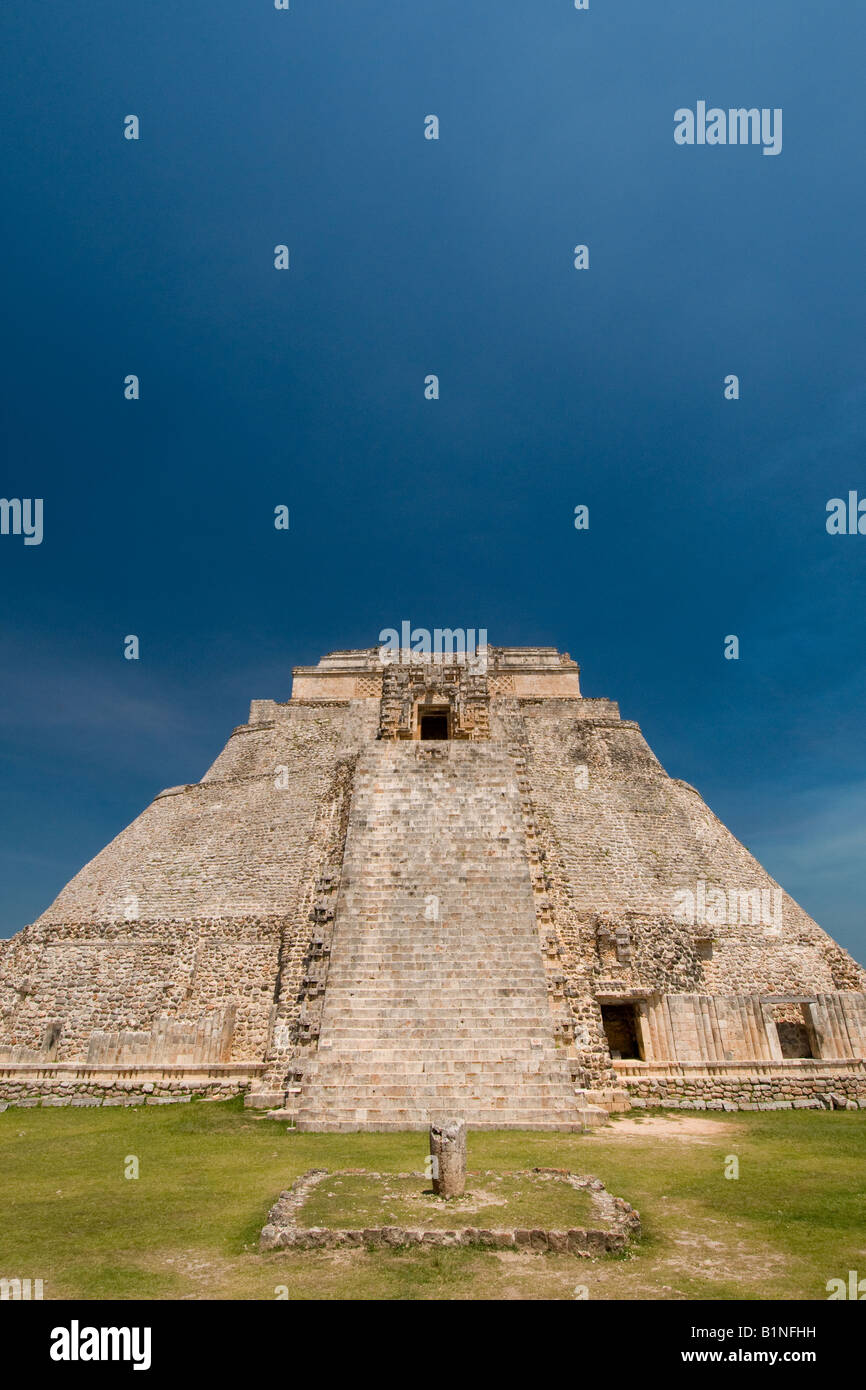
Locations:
{"points": [[610, 1226], [448, 1158], [431, 887]]}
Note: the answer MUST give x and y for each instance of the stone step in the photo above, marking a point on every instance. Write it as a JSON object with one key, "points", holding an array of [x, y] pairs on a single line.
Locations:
{"points": [[444, 996], [399, 1023], [399, 977], [410, 1084], [395, 1120], [467, 1107], [401, 1107], [392, 970], [317, 1126], [403, 1037], [414, 935], [363, 1064], [381, 1052], [481, 1084], [501, 1006], [263, 1100]]}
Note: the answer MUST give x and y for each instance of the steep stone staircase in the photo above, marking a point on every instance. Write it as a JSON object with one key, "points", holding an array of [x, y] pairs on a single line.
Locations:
{"points": [[436, 996]]}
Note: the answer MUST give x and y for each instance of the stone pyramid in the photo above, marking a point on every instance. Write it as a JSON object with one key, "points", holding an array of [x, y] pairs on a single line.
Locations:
{"points": [[424, 887]]}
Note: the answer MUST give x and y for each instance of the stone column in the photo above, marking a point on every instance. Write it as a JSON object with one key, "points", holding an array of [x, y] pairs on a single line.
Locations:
{"points": [[448, 1151]]}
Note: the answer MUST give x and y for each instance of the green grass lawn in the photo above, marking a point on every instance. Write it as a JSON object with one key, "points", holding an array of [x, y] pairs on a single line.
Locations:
{"points": [[188, 1226]]}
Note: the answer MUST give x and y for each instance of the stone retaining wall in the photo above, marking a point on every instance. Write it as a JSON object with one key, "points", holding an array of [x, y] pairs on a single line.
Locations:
{"points": [[804, 1084], [29, 1084]]}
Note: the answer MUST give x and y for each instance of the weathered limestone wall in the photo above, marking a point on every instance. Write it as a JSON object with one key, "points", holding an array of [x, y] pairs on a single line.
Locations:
{"points": [[132, 978], [65, 1083], [632, 837], [232, 845], [801, 1085], [618, 841], [179, 941], [742, 1027], [838, 1024]]}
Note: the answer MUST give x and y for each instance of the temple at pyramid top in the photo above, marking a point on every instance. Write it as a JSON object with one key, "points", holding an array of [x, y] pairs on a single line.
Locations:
{"points": [[522, 671], [445, 682]]}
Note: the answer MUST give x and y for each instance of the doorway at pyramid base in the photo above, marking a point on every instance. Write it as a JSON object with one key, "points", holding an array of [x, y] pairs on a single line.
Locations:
{"points": [[743, 1051]]}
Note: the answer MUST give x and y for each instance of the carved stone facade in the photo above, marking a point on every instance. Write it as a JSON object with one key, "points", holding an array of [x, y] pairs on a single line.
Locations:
{"points": [[412, 691], [428, 887]]}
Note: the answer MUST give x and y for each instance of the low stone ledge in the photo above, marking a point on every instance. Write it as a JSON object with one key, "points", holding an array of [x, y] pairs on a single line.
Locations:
{"points": [[73, 1083], [283, 1232], [793, 1083]]}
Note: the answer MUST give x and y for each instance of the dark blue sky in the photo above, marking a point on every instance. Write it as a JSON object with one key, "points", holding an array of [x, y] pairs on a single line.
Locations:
{"points": [[558, 387]]}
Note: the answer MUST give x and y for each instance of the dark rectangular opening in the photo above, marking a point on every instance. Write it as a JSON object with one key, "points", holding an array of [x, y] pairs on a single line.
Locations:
{"points": [[620, 1027], [794, 1039], [434, 725]]}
